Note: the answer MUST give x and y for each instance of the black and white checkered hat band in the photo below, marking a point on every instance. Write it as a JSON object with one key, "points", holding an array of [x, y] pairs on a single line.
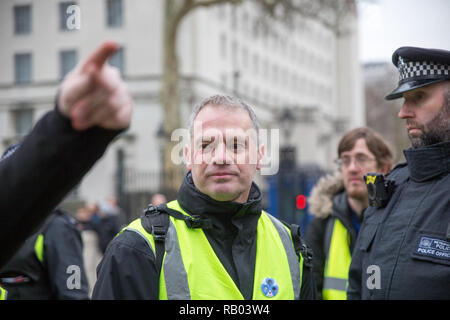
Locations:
{"points": [[422, 70]]}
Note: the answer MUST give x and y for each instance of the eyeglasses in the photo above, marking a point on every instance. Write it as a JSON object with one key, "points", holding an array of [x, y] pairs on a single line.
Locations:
{"points": [[361, 160]]}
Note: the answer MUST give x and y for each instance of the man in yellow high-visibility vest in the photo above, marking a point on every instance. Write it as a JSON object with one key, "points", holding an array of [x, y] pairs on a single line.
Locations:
{"points": [[218, 242], [337, 202]]}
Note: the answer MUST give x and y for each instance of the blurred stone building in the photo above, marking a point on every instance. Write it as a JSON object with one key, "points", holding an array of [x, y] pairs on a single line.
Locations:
{"points": [[380, 79]]}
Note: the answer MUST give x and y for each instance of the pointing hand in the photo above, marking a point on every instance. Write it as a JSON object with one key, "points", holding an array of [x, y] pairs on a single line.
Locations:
{"points": [[93, 93]]}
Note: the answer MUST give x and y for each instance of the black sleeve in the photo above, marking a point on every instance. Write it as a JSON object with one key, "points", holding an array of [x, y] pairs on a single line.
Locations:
{"points": [[354, 273], [315, 240], [64, 258], [127, 270], [49, 163], [308, 290]]}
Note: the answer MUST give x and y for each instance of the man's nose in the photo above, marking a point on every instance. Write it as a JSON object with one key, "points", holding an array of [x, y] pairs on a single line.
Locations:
{"points": [[221, 155], [405, 111]]}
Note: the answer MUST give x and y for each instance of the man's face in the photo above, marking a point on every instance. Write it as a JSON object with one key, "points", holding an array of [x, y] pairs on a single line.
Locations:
{"points": [[427, 114], [223, 156], [354, 165]]}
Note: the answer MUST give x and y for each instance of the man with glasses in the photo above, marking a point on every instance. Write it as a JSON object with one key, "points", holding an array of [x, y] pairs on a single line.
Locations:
{"points": [[338, 202]]}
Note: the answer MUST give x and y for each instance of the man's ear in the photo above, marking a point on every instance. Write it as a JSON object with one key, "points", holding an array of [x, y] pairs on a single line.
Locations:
{"points": [[384, 169], [187, 156], [261, 151]]}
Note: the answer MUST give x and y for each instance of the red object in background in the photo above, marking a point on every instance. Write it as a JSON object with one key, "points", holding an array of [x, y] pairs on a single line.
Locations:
{"points": [[301, 202]]}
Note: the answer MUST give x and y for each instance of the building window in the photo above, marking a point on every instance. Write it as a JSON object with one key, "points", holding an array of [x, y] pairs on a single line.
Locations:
{"points": [[223, 46], [244, 57], [22, 68], [234, 53], [117, 60], [22, 19], [255, 64], [114, 14], [275, 74], [223, 80], [233, 19], [67, 61], [66, 18], [23, 121]]}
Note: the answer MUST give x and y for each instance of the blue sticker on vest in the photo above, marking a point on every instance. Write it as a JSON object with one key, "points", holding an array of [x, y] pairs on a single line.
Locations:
{"points": [[269, 287], [433, 247]]}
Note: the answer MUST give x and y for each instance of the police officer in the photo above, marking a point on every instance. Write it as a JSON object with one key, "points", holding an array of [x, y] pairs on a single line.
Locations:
{"points": [[218, 242], [403, 251]]}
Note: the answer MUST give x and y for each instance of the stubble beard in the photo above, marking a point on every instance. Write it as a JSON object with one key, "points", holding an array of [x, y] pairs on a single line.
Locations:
{"points": [[435, 131]]}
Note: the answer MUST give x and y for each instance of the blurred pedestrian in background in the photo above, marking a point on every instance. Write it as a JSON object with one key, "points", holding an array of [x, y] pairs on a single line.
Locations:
{"points": [[158, 198], [110, 222], [92, 255], [99, 223]]}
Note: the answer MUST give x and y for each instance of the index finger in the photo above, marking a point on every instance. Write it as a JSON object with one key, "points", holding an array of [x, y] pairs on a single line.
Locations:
{"points": [[99, 56]]}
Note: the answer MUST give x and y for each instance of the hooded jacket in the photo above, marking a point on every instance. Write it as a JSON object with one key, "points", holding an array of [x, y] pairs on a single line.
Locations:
{"points": [[128, 269], [327, 201]]}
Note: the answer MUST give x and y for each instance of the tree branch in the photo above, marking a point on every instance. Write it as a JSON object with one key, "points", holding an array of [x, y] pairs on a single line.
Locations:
{"points": [[208, 3]]}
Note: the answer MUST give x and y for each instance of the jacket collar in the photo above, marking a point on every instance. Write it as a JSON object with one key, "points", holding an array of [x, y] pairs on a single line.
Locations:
{"points": [[342, 209], [428, 162], [195, 202]]}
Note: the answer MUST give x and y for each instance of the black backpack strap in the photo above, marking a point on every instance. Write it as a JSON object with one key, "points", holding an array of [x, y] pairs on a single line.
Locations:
{"points": [[155, 221], [300, 246], [192, 221]]}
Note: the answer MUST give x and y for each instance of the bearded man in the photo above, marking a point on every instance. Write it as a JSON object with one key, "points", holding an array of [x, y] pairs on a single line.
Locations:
{"points": [[403, 251]]}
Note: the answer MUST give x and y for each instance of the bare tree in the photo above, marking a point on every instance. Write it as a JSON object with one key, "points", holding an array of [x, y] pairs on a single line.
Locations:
{"points": [[381, 115]]}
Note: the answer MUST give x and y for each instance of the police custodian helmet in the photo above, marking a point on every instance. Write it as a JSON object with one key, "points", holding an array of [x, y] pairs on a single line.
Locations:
{"points": [[419, 67]]}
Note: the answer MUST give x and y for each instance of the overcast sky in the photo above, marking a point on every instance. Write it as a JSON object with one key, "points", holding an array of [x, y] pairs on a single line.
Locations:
{"points": [[385, 25]]}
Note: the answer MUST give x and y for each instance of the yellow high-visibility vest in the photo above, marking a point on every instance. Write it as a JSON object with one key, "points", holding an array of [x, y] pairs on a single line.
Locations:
{"points": [[3, 293], [192, 270], [337, 264]]}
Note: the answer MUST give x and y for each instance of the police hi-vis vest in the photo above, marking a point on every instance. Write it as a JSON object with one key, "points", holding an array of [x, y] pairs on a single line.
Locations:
{"points": [[338, 261], [3, 294], [191, 269]]}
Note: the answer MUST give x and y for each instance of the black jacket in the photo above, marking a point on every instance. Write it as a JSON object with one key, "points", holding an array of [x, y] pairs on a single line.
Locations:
{"points": [[328, 201], [62, 263], [51, 160], [128, 269], [403, 250]]}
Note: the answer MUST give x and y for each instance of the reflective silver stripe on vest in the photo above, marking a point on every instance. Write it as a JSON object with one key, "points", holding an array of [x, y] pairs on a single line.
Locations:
{"points": [[144, 237], [335, 284], [291, 255], [175, 276]]}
